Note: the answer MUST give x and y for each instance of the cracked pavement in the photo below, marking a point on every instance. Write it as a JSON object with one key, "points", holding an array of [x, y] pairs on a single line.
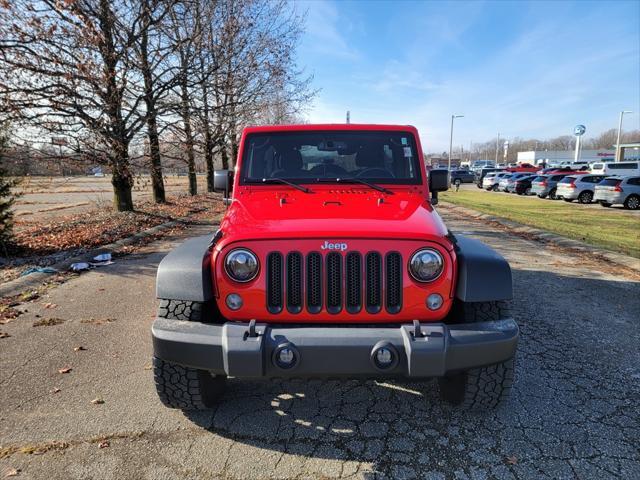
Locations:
{"points": [[573, 412]]}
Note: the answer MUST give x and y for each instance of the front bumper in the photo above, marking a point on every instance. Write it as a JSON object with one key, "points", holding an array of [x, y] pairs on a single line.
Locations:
{"points": [[233, 349]]}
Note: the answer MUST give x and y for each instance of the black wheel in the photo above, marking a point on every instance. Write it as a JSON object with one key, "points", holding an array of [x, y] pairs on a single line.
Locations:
{"points": [[483, 387], [186, 388], [527, 191], [605, 204], [632, 202], [552, 194], [585, 197], [495, 188], [457, 182]]}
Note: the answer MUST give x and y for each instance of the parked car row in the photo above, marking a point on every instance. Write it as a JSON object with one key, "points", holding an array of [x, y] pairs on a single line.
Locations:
{"points": [[583, 186]]}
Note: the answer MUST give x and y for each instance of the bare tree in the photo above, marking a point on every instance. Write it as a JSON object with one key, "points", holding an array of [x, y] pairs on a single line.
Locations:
{"points": [[65, 72], [152, 57]]}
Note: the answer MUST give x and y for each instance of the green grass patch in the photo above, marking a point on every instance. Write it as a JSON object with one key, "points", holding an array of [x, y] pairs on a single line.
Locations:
{"points": [[593, 224]]}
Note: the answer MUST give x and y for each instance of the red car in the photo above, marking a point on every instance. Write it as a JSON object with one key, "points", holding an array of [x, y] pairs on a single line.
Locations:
{"points": [[524, 167], [331, 261]]}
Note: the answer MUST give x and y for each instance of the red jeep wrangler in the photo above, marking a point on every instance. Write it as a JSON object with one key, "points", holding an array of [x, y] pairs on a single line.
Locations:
{"points": [[332, 262]]}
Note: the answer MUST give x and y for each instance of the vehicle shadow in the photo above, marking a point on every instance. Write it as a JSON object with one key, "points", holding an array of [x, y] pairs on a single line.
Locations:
{"points": [[571, 412]]}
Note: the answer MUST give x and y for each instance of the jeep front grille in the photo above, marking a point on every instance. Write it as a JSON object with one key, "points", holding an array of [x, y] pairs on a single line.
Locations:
{"points": [[334, 282]]}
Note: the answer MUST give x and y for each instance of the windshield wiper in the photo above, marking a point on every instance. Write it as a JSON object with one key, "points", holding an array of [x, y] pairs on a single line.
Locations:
{"points": [[357, 180], [286, 182]]}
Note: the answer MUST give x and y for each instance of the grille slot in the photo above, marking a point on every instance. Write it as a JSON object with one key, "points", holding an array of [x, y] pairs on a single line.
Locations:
{"points": [[334, 282], [314, 282], [373, 282], [394, 282], [353, 282], [294, 282], [274, 282]]}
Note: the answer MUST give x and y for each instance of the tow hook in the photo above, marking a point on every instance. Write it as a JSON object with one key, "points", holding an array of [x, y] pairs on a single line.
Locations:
{"points": [[251, 332]]}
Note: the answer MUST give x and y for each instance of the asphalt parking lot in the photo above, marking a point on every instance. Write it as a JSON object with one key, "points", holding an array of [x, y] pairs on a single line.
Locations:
{"points": [[573, 414]]}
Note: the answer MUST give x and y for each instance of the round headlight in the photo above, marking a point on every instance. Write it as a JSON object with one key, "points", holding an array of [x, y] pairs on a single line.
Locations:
{"points": [[426, 265], [241, 265]]}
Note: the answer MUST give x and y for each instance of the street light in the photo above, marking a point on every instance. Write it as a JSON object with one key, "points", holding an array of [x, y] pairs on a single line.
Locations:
{"points": [[619, 131], [451, 137]]}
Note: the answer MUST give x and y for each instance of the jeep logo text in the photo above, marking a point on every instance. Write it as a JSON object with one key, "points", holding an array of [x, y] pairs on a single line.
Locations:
{"points": [[334, 246]]}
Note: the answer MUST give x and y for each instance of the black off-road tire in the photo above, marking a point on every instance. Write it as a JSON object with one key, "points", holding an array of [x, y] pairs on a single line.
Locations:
{"points": [[484, 387], [186, 388], [181, 310]]}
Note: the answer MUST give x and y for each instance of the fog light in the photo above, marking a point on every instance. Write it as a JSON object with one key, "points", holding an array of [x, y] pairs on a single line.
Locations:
{"points": [[285, 356], [434, 301], [384, 357], [234, 301]]}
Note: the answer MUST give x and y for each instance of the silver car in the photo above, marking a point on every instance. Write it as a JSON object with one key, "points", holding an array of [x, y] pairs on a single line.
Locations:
{"points": [[578, 187], [619, 190], [546, 185], [491, 180]]}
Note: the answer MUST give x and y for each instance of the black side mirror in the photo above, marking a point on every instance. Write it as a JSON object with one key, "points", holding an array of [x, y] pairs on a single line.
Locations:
{"points": [[438, 182], [223, 182]]}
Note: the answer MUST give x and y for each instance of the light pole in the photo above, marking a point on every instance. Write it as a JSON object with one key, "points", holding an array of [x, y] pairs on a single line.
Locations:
{"points": [[620, 131], [497, 143], [453, 117]]}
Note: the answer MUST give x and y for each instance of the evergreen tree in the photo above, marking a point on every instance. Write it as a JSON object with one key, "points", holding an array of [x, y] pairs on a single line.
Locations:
{"points": [[7, 197]]}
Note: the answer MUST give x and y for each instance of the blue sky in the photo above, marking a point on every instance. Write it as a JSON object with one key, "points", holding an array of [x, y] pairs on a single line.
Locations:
{"points": [[527, 69]]}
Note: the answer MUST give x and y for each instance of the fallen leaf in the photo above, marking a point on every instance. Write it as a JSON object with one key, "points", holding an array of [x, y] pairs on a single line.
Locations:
{"points": [[48, 322], [65, 370], [98, 321], [103, 444], [50, 305], [55, 390], [4, 335], [79, 348], [512, 460], [97, 401], [12, 472]]}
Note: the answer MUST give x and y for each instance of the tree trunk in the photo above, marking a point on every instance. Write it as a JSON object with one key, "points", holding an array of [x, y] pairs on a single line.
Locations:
{"points": [[189, 142], [121, 179], [208, 137], [157, 181]]}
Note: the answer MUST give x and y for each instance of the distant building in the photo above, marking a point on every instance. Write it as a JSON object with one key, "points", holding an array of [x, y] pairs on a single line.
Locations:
{"points": [[436, 161], [559, 156]]}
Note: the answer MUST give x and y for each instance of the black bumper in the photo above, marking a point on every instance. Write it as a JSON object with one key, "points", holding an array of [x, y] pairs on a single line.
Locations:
{"points": [[334, 351]]}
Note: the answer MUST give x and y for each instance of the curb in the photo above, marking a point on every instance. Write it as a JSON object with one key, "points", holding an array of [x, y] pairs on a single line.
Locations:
{"points": [[20, 284], [625, 261]]}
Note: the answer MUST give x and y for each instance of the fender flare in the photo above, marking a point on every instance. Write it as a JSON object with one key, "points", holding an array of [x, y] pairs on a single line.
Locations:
{"points": [[483, 274], [185, 273]]}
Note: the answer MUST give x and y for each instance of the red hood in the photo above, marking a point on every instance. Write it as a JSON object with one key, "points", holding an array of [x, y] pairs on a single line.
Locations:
{"points": [[331, 213]]}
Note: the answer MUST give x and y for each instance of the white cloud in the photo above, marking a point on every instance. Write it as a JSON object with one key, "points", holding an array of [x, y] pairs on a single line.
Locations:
{"points": [[324, 30]]}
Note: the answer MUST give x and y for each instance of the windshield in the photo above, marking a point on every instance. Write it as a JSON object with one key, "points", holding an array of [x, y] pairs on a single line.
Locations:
{"points": [[321, 156]]}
